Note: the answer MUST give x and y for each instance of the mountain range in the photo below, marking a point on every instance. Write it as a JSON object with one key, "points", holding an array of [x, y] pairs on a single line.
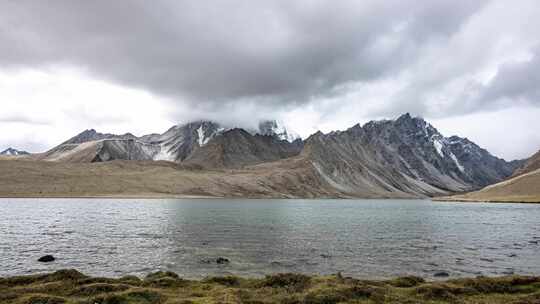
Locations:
{"points": [[405, 157], [13, 152]]}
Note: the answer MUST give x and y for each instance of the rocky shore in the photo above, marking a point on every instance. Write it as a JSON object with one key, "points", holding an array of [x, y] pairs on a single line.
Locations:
{"points": [[71, 286]]}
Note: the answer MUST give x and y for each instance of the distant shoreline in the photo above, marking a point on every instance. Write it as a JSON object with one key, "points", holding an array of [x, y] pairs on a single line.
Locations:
{"points": [[160, 197], [67, 286], [495, 201]]}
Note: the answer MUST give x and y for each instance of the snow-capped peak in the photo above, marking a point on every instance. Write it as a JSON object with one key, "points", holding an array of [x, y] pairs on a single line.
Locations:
{"points": [[278, 129], [13, 152]]}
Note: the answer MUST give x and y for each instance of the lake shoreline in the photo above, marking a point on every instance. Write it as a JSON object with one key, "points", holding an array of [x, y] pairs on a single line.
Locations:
{"points": [[459, 199], [71, 286], [450, 199]]}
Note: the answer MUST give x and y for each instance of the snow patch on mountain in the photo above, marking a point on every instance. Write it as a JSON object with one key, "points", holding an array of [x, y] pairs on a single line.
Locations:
{"points": [[458, 164], [202, 139], [438, 146]]}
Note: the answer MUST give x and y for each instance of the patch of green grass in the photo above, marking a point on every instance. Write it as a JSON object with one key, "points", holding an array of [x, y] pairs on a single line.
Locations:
{"points": [[406, 282], [291, 281], [133, 297], [99, 288], [335, 295], [43, 299], [226, 280]]}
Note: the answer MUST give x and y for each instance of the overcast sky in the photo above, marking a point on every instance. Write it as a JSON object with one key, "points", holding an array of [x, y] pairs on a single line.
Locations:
{"points": [[470, 67]]}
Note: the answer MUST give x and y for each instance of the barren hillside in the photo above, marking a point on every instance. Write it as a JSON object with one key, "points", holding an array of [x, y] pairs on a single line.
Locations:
{"points": [[522, 188], [157, 179]]}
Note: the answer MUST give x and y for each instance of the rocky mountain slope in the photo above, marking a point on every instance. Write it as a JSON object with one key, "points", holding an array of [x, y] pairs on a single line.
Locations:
{"points": [[237, 148], [405, 157], [531, 164]]}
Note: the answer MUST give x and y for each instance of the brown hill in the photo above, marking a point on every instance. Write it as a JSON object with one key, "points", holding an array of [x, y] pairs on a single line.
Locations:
{"points": [[522, 188]]}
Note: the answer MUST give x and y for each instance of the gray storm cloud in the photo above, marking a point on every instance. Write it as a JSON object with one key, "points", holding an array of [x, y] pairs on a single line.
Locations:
{"points": [[519, 81], [204, 53]]}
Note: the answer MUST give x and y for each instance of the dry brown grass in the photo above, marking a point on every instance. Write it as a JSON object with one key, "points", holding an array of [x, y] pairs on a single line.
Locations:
{"points": [[72, 287]]}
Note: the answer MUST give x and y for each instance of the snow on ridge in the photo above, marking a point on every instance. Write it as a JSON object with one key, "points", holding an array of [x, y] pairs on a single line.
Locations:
{"points": [[438, 146], [458, 164]]}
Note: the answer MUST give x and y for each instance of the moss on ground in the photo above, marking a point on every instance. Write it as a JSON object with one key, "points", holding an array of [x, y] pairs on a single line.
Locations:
{"points": [[72, 287]]}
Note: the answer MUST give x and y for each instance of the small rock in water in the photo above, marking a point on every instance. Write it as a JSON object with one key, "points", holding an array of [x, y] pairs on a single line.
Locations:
{"points": [[512, 255], [441, 274], [325, 256], [533, 242], [221, 260], [46, 258]]}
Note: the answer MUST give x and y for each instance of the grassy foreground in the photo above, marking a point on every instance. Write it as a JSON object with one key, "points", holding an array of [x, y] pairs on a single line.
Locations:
{"points": [[70, 286]]}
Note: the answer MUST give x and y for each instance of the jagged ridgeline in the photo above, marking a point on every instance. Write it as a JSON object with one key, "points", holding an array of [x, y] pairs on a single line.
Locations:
{"points": [[203, 143], [405, 157]]}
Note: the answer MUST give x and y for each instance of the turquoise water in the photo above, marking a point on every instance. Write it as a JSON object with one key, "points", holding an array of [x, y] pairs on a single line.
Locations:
{"points": [[361, 238]]}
